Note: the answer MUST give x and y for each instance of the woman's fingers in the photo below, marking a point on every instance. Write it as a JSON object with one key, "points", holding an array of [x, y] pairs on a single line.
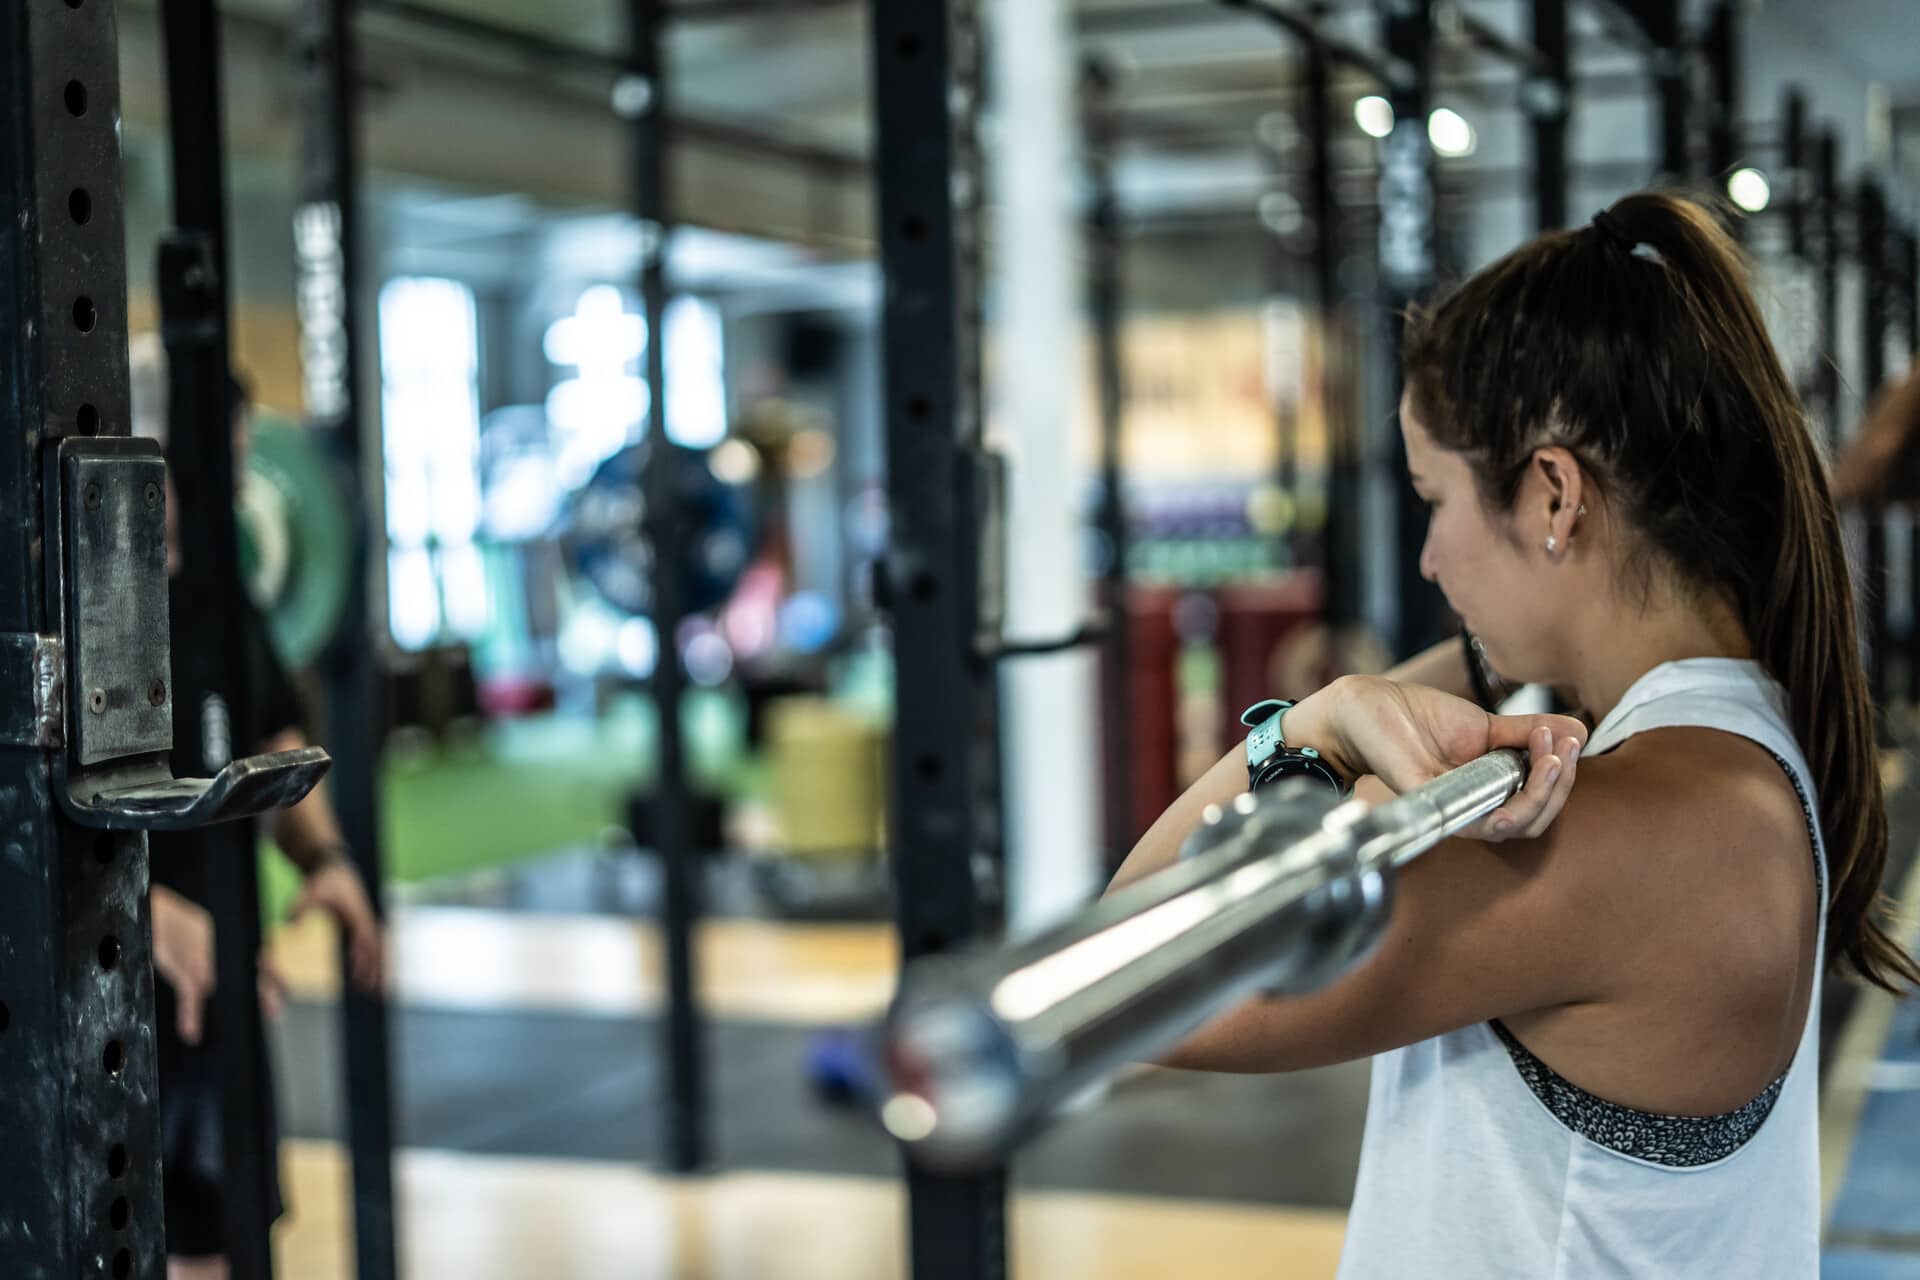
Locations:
{"points": [[1512, 819], [1555, 798], [1524, 731], [1532, 809]]}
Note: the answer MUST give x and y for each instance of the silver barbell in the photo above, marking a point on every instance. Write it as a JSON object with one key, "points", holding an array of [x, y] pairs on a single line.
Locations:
{"points": [[1281, 891]]}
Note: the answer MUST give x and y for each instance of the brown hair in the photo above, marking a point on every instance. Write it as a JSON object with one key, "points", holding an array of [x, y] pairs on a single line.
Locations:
{"points": [[1635, 343]]}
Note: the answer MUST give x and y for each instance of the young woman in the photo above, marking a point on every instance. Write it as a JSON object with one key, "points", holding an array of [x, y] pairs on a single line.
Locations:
{"points": [[1594, 1021]]}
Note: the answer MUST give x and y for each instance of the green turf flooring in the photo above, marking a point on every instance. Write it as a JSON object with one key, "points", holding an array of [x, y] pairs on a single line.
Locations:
{"points": [[528, 787]]}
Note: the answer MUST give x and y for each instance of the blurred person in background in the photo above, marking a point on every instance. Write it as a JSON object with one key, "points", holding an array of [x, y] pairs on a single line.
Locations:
{"points": [[307, 834]]}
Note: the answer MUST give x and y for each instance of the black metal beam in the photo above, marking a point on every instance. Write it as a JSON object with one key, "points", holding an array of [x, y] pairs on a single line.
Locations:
{"points": [[671, 14], [1356, 210], [1299, 22], [1909, 285], [1720, 44], [1387, 69], [542, 52], [1105, 252], [1530, 59], [1337, 545], [1625, 22], [1659, 21], [694, 11], [1826, 204], [926, 55], [1604, 86], [326, 245], [1548, 98], [80, 1181], [1876, 319], [646, 94], [1795, 178], [1910, 291], [1409, 248], [210, 658]]}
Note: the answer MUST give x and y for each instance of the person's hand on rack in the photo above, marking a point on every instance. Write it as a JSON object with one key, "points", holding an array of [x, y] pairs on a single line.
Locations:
{"points": [[334, 886], [183, 955]]}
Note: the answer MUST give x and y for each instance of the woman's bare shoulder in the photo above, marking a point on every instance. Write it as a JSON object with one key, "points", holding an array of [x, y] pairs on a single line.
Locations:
{"points": [[1718, 849]]}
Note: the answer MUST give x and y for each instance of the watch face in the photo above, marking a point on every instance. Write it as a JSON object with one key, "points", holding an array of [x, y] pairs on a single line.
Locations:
{"points": [[1296, 766]]}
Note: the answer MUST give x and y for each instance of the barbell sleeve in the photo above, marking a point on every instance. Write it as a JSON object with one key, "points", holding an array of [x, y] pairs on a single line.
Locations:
{"points": [[1282, 891]]}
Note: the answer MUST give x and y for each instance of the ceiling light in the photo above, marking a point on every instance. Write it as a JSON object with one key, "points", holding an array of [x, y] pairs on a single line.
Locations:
{"points": [[1374, 115], [1450, 133], [1749, 189]]}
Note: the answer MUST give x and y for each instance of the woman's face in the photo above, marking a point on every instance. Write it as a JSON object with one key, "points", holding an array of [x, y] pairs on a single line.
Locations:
{"points": [[1494, 573]]}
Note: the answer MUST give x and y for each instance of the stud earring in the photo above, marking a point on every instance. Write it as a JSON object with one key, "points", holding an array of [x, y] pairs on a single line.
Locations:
{"points": [[1582, 511], [1552, 544]]}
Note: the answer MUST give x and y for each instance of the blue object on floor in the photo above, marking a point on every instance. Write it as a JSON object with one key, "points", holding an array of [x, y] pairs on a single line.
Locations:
{"points": [[840, 1068], [1860, 1264]]}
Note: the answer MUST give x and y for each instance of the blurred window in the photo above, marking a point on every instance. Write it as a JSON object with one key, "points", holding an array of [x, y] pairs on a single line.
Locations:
{"points": [[430, 411]]}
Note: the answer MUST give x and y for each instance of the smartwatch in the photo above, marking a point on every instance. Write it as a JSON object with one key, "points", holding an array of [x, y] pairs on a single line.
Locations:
{"points": [[1270, 759]]}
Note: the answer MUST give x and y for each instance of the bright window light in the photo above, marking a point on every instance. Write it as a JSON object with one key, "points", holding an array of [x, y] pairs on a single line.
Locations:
{"points": [[1450, 133], [696, 376], [430, 416], [638, 646], [604, 404], [601, 331], [413, 597], [1374, 115], [597, 409], [1749, 189]]}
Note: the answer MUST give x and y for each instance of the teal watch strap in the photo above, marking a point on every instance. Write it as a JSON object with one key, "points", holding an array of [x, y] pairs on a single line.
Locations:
{"points": [[1264, 718], [1266, 739]]}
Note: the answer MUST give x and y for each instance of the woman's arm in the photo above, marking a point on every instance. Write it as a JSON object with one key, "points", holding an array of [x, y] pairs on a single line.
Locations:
{"points": [[308, 833], [1478, 931], [1442, 667], [1472, 921]]}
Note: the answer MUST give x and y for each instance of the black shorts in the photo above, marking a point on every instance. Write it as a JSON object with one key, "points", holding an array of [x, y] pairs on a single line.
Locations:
{"points": [[192, 1125]]}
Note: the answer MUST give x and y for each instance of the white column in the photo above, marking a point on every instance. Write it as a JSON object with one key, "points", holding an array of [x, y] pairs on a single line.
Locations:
{"points": [[1049, 718]]}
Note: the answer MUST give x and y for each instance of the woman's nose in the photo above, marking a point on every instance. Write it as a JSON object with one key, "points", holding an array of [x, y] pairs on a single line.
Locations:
{"points": [[1428, 569]]}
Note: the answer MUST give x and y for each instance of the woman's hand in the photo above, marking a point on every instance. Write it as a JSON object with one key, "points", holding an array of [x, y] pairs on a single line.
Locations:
{"points": [[1408, 734], [183, 956]]}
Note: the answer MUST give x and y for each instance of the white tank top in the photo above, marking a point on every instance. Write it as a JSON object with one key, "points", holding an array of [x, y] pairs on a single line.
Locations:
{"points": [[1480, 1162]]}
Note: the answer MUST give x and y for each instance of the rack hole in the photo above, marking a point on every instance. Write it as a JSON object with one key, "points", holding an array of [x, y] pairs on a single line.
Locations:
{"points": [[120, 1214], [927, 767], [5, 1017], [117, 1161], [87, 418], [76, 97], [919, 408], [109, 952], [114, 1058], [913, 227], [85, 316], [80, 205], [122, 1264], [75, 4], [908, 46]]}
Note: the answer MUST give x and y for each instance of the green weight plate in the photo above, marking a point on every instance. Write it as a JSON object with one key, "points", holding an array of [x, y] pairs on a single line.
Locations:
{"points": [[296, 539]]}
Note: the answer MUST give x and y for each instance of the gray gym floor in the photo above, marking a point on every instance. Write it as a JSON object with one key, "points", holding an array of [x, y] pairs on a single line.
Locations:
{"points": [[568, 1085]]}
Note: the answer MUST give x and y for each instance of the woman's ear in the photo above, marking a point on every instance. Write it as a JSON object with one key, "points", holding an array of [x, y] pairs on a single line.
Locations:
{"points": [[1558, 501]]}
